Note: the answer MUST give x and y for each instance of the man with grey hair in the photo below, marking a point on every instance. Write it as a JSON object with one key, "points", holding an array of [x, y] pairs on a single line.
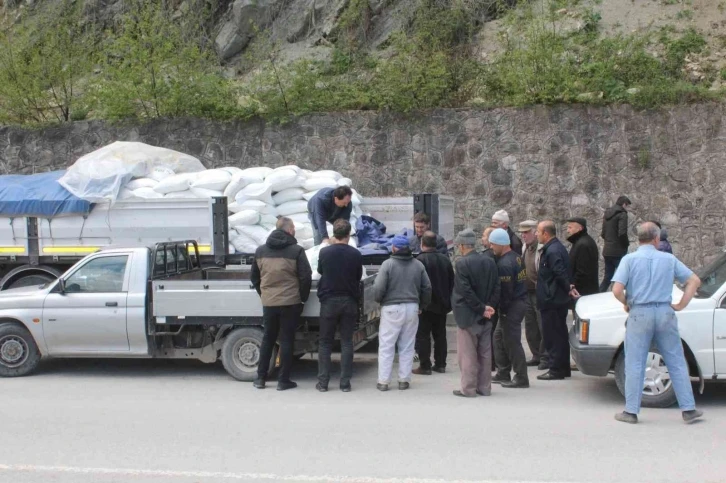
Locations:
{"points": [[282, 276], [532, 319], [476, 293], [643, 283]]}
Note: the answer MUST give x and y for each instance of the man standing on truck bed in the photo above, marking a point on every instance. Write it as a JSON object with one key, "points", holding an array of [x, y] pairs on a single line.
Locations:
{"points": [[328, 205], [282, 276], [403, 289], [341, 268], [644, 285], [421, 224]]}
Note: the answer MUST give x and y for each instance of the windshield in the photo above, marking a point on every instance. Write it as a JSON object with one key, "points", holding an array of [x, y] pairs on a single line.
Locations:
{"points": [[713, 276]]}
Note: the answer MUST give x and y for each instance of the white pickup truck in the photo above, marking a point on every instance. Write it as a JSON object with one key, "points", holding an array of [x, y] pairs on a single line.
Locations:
{"points": [[597, 336]]}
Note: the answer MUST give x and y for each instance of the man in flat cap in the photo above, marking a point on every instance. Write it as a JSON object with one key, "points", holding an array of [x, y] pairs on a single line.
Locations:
{"points": [[500, 219], [532, 319], [584, 257], [476, 293]]}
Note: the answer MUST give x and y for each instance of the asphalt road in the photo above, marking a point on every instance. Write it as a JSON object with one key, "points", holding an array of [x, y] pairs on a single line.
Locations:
{"points": [[183, 422]]}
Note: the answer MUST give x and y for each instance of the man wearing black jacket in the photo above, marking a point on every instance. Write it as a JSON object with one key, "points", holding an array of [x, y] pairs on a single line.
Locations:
{"points": [[432, 320], [282, 276], [615, 233], [583, 258], [422, 224], [553, 300]]}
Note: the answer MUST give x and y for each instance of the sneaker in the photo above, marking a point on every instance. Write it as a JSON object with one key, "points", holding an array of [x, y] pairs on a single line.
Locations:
{"points": [[345, 387], [285, 385], [402, 386], [421, 371], [259, 383], [692, 415], [500, 378], [439, 369], [321, 387], [382, 387], [626, 417]]}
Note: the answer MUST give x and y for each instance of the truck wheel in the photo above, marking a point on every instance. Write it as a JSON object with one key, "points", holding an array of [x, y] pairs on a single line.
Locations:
{"points": [[19, 355], [658, 389], [28, 277], [241, 353]]}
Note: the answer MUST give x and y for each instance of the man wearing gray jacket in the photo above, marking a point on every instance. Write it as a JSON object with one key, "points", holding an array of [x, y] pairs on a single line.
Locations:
{"points": [[476, 293], [403, 289]]}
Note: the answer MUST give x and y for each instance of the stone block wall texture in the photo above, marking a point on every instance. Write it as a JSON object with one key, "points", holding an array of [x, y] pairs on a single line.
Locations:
{"points": [[539, 162]]}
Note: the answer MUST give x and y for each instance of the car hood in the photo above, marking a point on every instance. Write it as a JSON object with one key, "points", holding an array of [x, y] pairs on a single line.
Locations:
{"points": [[14, 297], [605, 304]]}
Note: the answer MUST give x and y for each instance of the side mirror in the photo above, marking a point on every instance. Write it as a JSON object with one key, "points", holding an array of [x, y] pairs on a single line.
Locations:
{"points": [[61, 286]]}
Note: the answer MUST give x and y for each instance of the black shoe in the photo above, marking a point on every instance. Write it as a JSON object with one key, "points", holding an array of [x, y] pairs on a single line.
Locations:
{"points": [[382, 387], [259, 383], [626, 417], [692, 415], [548, 376], [461, 394], [285, 385], [500, 378], [517, 383], [481, 393], [439, 369], [532, 362], [543, 366], [402, 386], [421, 371], [345, 387], [321, 387]]}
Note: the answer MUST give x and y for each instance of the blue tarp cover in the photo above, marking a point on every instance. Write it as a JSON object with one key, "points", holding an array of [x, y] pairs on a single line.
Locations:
{"points": [[38, 195]]}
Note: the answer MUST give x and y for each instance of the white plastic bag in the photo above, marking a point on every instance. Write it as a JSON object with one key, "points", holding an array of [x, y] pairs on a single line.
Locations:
{"points": [[242, 243], [258, 233], [160, 173], [261, 206], [205, 193], [307, 244], [147, 193], [313, 254], [137, 183], [181, 195], [235, 185], [212, 179], [178, 182], [345, 182], [326, 173], [317, 183], [292, 207], [310, 194], [256, 173], [290, 194], [255, 191], [244, 217]]}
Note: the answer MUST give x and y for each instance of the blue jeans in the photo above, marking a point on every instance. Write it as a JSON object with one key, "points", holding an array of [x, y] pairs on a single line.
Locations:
{"points": [[317, 236], [657, 322]]}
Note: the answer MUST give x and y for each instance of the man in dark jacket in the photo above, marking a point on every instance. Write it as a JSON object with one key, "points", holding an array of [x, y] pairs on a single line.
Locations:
{"points": [[328, 205], [421, 224], [664, 245], [583, 258], [553, 300], [615, 233], [341, 268], [486, 247], [432, 320], [282, 276], [500, 219], [476, 293]]}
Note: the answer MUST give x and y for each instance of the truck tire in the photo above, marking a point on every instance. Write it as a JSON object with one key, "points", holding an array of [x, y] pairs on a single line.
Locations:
{"points": [[19, 354], [241, 353], [658, 389], [27, 276]]}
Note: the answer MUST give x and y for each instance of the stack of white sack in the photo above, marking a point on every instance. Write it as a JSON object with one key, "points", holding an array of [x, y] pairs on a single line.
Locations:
{"points": [[257, 196]]}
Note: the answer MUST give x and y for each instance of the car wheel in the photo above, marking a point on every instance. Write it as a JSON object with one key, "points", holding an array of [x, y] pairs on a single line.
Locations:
{"points": [[658, 389], [241, 353], [19, 355]]}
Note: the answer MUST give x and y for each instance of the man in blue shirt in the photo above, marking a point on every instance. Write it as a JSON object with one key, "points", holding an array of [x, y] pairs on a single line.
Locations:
{"points": [[328, 205], [644, 285]]}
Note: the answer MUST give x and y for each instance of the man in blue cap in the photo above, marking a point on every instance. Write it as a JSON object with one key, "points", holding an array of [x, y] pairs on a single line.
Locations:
{"points": [[508, 348], [403, 289]]}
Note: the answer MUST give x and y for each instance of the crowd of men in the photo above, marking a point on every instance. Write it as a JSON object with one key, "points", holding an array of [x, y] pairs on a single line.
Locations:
{"points": [[534, 280]]}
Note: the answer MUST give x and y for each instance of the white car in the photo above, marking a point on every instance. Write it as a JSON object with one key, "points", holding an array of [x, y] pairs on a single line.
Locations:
{"points": [[597, 337]]}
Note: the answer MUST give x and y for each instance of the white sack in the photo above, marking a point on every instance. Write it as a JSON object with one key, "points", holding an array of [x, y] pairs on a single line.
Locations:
{"points": [[188, 195], [205, 193], [126, 194], [290, 194], [242, 243], [235, 185], [326, 173], [310, 194], [353, 242], [356, 199], [147, 193], [178, 182], [269, 220], [296, 182], [244, 217], [258, 233], [135, 184], [281, 176], [300, 217], [231, 170], [345, 182], [307, 244], [291, 166], [212, 179], [256, 173], [313, 184], [303, 230], [160, 173], [313, 254], [292, 207], [261, 206], [357, 211], [255, 191], [98, 176]]}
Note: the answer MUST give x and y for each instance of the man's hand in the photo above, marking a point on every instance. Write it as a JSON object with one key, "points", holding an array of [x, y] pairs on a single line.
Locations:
{"points": [[489, 312], [679, 306], [574, 293], [626, 308], [325, 242]]}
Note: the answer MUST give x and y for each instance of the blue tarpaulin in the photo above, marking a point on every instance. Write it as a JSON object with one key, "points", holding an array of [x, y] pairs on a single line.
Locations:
{"points": [[38, 195]]}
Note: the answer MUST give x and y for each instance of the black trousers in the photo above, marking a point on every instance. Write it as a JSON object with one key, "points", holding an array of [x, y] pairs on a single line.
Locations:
{"points": [[337, 312], [431, 324], [611, 265], [508, 350], [279, 321], [554, 333]]}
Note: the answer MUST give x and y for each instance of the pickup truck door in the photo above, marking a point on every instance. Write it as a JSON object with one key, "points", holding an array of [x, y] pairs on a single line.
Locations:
{"points": [[719, 338], [90, 316]]}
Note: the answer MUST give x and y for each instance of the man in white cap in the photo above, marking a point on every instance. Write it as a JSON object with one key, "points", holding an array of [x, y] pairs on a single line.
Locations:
{"points": [[500, 219], [512, 305]]}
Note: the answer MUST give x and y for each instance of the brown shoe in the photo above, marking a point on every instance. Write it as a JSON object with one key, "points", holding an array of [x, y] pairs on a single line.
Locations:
{"points": [[421, 371]]}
